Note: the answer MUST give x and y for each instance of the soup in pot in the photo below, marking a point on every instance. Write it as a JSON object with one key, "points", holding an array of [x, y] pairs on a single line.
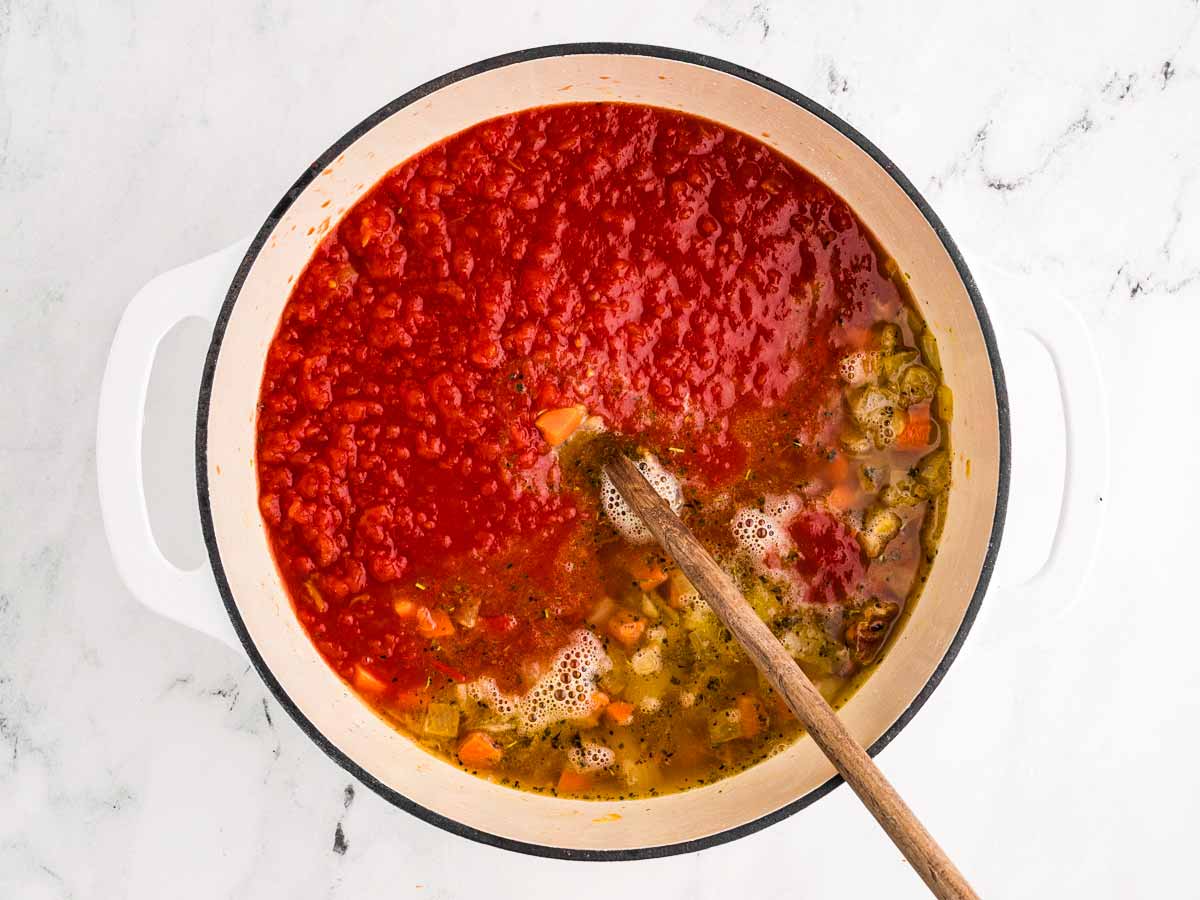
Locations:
{"points": [[499, 316]]}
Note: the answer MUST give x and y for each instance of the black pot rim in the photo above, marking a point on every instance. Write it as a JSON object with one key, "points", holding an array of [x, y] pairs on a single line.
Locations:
{"points": [[214, 350]]}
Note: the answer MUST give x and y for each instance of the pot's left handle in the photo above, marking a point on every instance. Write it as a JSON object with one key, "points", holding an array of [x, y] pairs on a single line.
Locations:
{"points": [[194, 290]]}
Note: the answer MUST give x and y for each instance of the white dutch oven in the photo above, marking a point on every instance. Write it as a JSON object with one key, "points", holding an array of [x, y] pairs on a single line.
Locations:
{"points": [[255, 600]]}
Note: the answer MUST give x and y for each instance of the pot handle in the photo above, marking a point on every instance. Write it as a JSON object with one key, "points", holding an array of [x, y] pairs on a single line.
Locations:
{"points": [[1028, 609], [187, 596]]}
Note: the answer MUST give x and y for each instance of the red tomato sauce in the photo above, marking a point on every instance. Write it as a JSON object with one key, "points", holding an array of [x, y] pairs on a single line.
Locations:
{"points": [[828, 555], [679, 279]]}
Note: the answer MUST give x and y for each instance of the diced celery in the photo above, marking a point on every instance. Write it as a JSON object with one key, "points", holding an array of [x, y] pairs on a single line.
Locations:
{"points": [[879, 527], [639, 687], [869, 478], [895, 363], [698, 615], [641, 774], [809, 645], [929, 350], [650, 608], [879, 412], [441, 720], [887, 336], [903, 492], [711, 640], [865, 403], [700, 644], [934, 471], [764, 602], [646, 661], [944, 403], [725, 726], [915, 323], [854, 441], [935, 521], [917, 385]]}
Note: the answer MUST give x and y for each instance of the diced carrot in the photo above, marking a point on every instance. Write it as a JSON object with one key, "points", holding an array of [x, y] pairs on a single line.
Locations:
{"points": [[592, 719], [678, 587], [479, 750], [433, 623], [751, 715], [626, 627], [619, 712], [572, 782], [367, 681], [648, 571], [404, 608], [557, 425], [842, 497], [919, 430]]}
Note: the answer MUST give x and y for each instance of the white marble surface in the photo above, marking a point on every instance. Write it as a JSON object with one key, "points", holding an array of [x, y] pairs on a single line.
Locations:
{"points": [[139, 759]]}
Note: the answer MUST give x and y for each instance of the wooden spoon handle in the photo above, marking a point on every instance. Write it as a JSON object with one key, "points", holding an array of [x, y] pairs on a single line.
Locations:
{"points": [[802, 697]]}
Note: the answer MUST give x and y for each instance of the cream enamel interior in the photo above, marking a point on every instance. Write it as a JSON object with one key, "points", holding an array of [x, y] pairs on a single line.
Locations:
{"points": [[260, 597]]}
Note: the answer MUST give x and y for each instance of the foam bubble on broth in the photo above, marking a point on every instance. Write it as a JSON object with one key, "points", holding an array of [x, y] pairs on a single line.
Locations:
{"points": [[591, 757], [564, 692], [762, 533], [621, 514], [855, 368]]}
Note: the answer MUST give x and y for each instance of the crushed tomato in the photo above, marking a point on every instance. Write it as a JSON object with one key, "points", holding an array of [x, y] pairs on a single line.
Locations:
{"points": [[676, 278]]}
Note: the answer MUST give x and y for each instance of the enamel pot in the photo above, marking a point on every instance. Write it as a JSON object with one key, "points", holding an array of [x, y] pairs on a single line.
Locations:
{"points": [[257, 615]]}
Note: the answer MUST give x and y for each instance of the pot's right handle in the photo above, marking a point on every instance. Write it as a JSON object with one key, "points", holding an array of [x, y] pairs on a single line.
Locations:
{"points": [[1036, 605], [188, 596]]}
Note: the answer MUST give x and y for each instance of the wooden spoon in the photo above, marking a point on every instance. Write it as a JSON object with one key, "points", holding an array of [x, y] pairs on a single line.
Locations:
{"points": [[804, 700]]}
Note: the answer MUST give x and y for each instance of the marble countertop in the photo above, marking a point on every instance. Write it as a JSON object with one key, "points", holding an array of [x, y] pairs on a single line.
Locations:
{"points": [[138, 759]]}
